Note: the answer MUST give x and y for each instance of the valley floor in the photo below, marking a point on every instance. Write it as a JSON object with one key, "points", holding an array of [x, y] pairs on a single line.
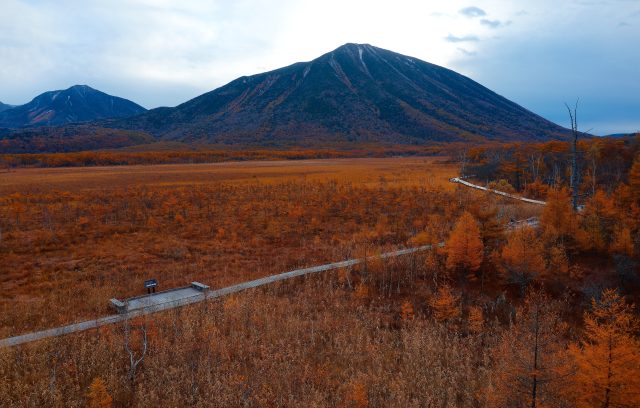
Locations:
{"points": [[450, 327]]}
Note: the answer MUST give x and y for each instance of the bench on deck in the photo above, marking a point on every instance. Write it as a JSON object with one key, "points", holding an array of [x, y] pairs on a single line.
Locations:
{"points": [[201, 287], [120, 306]]}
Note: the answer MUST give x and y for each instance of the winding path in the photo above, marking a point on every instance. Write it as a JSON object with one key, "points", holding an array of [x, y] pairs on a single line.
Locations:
{"points": [[211, 294], [498, 192]]}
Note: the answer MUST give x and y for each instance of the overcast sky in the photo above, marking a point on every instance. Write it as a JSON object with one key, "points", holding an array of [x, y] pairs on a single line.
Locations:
{"points": [[538, 53]]}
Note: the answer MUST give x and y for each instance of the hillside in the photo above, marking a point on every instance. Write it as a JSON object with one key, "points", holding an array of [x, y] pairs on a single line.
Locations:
{"points": [[4, 107], [80, 103], [355, 93]]}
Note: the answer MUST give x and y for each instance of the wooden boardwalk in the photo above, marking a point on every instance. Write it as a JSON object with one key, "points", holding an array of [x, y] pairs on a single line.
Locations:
{"points": [[188, 297], [498, 192]]}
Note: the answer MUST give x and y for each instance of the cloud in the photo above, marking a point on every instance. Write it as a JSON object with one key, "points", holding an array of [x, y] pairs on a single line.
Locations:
{"points": [[467, 38], [467, 52], [494, 23], [549, 58], [472, 12], [164, 52], [155, 52]]}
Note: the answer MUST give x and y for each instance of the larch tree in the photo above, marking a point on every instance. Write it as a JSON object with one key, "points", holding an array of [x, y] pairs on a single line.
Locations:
{"points": [[491, 229], [530, 356], [558, 221], [406, 311], [492, 235], [622, 242], [445, 305], [98, 397], [475, 319], [522, 259], [464, 247], [608, 358], [597, 222], [558, 262]]}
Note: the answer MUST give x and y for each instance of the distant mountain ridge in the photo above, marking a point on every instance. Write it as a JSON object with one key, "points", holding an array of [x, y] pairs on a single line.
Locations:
{"points": [[356, 93], [79, 103], [4, 107]]}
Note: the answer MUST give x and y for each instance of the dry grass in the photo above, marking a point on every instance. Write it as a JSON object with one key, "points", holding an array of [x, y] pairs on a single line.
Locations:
{"points": [[72, 238], [398, 171]]}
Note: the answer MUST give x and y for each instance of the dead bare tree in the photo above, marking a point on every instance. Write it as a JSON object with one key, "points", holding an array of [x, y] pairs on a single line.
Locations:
{"points": [[464, 159], [133, 360], [535, 162], [573, 115], [593, 155]]}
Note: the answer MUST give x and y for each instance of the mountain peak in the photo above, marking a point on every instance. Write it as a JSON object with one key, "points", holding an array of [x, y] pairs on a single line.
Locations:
{"points": [[356, 92], [353, 45], [78, 103], [4, 107], [354, 48], [81, 88]]}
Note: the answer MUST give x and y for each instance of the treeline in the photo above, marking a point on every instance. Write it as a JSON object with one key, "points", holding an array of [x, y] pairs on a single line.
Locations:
{"points": [[70, 138], [116, 158], [603, 163], [606, 229]]}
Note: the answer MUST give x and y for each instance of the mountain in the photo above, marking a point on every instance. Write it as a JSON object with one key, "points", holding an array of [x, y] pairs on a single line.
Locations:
{"points": [[619, 135], [356, 93], [68, 138], [80, 103], [4, 107]]}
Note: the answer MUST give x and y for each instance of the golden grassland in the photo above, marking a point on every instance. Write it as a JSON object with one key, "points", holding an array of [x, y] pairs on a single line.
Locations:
{"points": [[399, 171], [442, 328], [72, 238]]}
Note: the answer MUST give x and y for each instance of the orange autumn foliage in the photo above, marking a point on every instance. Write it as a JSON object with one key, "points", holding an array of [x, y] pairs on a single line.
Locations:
{"points": [[530, 356], [98, 397], [558, 220], [445, 305], [475, 319], [634, 178], [307, 341], [597, 222], [608, 359], [464, 247], [212, 223], [558, 261], [522, 257], [362, 291], [623, 242], [406, 311], [357, 396]]}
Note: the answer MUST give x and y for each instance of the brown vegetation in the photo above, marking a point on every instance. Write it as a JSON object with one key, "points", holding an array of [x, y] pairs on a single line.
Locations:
{"points": [[496, 318]]}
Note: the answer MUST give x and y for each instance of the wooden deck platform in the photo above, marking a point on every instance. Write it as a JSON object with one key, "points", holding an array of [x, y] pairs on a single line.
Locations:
{"points": [[184, 295]]}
